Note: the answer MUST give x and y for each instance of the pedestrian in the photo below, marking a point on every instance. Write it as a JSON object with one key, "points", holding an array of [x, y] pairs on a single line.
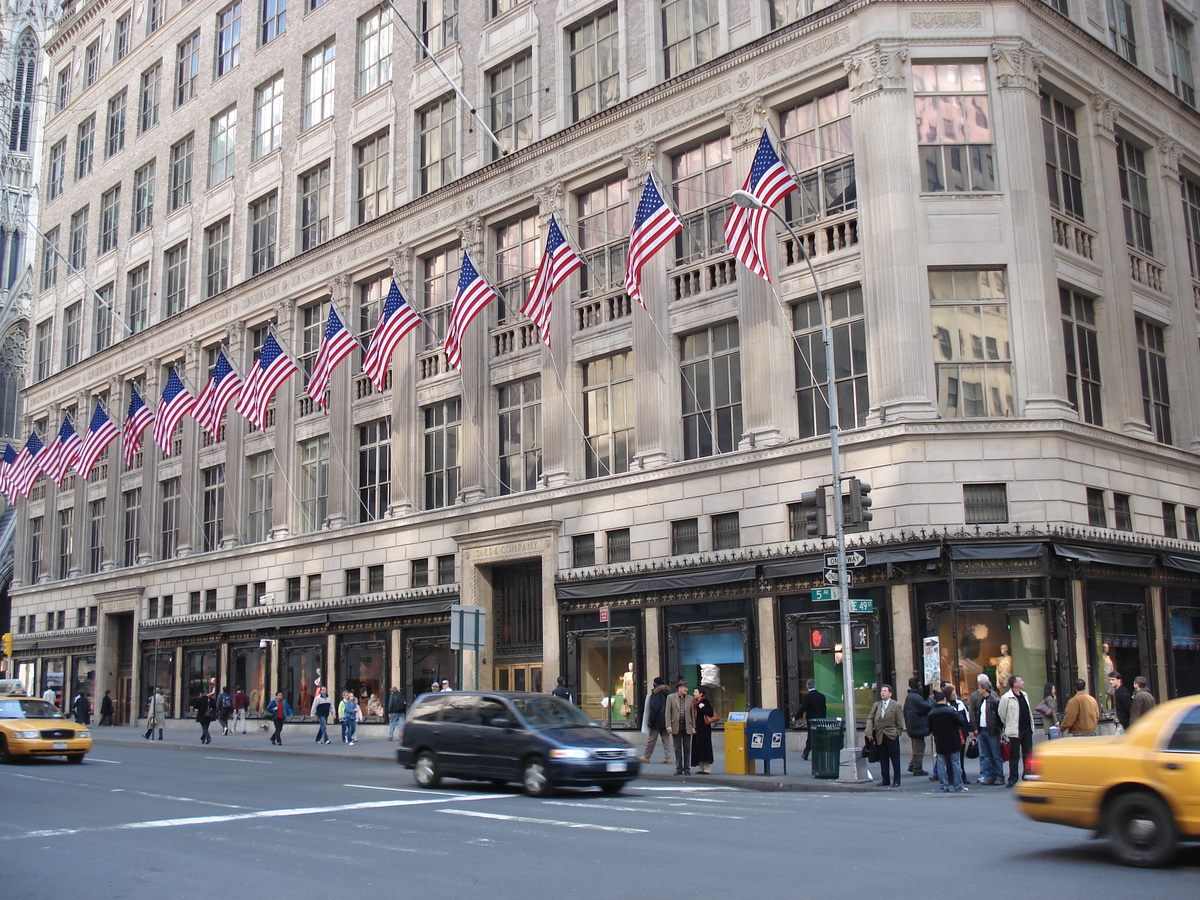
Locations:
{"points": [[82, 708], [279, 711], [156, 712], [106, 709], [50, 696], [916, 723], [954, 702], [681, 725], [241, 704], [561, 689], [946, 725], [350, 714], [396, 708], [656, 721], [1082, 715], [224, 708], [1017, 717], [206, 711], [984, 713], [1122, 700], [885, 723], [1048, 708], [702, 745], [812, 706], [1143, 701], [322, 706], [446, 689]]}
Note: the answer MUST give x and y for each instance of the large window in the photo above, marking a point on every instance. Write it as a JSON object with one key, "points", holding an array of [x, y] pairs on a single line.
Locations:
{"points": [[85, 152], [274, 19], [72, 334], [35, 551], [102, 318], [954, 127], [1082, 342], [110, 215], [260, 482], [222, 146], [79, 236], [711, 390], [371, 294], [603, 228], [1120, 30], [312, 329], [595, 64], [175, 283], [1135, 195], [121, 37], [374, 469], [518, 246], [1064, 170], [115, 129], [441, 459], [131, 514], [971, 346], [149, 97], [171, 496], [137, 298], [66, 545], [57, 169], [25, 83], [229, 37], [318, 84], [50, 260], [268, 117], [143, 198], [217, 239], [819, 142], [1179, 42], [212, 514], [315, 207], [608, 414], [690, 34], [1152, 364], [181, 173], [97, 552], [701, 182], [264, 232], [1191, 222], [187, 69], [44, 341], [439, 280], [985, 504], [439, 23], [436, 156], [510, 99], [849, 362], [314, 483], [372, 168], [520, 437], [785, 12], [374, 50]]}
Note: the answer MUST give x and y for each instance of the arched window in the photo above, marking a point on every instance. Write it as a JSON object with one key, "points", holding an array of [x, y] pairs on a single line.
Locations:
{"points": [[24, 80]]}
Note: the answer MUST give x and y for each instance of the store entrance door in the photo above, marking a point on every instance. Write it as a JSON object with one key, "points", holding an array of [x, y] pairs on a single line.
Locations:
{"points": [[814, 642], [519, 677]]}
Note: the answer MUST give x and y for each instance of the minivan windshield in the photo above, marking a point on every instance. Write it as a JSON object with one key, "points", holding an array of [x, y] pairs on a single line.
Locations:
{"points": [[551, 712]]}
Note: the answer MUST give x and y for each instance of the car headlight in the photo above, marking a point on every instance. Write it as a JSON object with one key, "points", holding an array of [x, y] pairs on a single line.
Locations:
{"points": [[631, 753], [570, 754], [83, 734], [26, 735]]}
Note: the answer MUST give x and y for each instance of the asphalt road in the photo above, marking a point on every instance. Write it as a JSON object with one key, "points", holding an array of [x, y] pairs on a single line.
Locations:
{"points": [[156, 821]]}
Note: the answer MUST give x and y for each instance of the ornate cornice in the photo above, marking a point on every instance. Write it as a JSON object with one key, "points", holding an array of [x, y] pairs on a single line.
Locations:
{"points": [[1017, 65], [1107, 111], [881, 67]]}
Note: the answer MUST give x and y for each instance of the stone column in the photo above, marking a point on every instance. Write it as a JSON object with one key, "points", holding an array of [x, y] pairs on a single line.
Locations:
{"points": [[562, 430], [114, 526], [234, 426], [285, 512], [894, 281], [407, 494], [342, 504], [1032, 285], [149, 525], [191, 489], [476, 442]]}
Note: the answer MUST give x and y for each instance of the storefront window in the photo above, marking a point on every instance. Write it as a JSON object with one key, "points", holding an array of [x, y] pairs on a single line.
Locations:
{"points": [[362, 672], [429, 661], [250, 674], [600, 687], [816, 642], [52, 677], [83, 676], [302, 668], [1185, 651], [716, 658], [1117, 641], [158, 670], [201, 666], [994, 642]]}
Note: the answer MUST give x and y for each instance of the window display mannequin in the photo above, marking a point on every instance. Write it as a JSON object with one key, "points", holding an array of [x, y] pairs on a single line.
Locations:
{"points": [[1004, 665], [626, 691], [1109, 694]]}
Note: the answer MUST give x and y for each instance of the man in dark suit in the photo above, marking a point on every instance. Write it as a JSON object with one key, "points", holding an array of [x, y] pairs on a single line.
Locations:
{"points": [[1122, 698], [812, 706]]}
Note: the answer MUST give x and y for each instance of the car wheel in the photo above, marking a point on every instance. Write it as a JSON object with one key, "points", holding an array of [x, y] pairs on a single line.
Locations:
{"points": [[535, 779], [425, 770], [612, 788], [75, 757], [1142, 830], [5, 756]]}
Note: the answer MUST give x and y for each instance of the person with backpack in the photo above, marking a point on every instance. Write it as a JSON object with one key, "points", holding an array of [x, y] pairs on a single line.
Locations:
{"points": [[561, 690], [224, 708], [396, 708]]}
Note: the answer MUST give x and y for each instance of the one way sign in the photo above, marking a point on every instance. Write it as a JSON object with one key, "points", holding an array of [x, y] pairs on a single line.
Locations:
{"points": [[831, 576], [854, 559]]}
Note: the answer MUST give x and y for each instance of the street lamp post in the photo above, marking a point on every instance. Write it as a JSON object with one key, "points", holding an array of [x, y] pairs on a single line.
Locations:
{"points": [[851, 768]]}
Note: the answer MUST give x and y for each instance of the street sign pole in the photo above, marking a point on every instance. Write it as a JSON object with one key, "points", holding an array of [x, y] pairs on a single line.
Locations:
{"points": [[607, 620]]}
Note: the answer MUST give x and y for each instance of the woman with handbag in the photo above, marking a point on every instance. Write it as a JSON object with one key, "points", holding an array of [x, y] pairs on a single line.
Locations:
{"points": [[1048, 708], [702, 746], [885, 724]]}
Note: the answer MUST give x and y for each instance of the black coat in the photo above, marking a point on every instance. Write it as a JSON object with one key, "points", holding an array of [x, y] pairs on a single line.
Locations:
{"points": [[946, 724], [206, 709], [1123, 701], [916, 715], [812, 706], [656, 709]]}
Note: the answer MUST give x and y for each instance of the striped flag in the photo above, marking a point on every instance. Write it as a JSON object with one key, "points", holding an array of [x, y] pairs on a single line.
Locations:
{"points": [[6, 471], [653, 225], [62, 452], [473, 294], [176, 402], [27, 466], [396, 319], [745, 230], [271, 368], [559, 261], [101, 432], [223, 385], [336, 344], [137, 418]]}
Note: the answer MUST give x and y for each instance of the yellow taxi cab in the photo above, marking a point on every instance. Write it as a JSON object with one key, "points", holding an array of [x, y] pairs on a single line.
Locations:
{"points": [[29, 726], [1141, 789]]}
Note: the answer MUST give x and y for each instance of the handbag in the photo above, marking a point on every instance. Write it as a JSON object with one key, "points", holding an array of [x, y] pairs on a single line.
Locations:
{"points": [[870, 750], [1005, 749], [972, 750]]}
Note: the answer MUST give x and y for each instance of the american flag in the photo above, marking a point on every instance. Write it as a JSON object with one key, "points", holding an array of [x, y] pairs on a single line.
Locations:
{"points": [[223, 385], [101, 432], [396, 319], [336, 344], [62, 452], [473, 294], [559, 261], [177, 401], [653, 225], [6, 466], [27, 466], [137, 418], [271, 369], [745, 230]]}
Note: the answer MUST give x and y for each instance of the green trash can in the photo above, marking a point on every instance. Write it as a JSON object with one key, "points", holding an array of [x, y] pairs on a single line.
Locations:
{"points": [[828, 738]]}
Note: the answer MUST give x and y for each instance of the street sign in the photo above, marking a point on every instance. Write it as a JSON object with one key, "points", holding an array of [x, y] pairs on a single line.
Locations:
{"points": [[854, 559], [862, 606], [821, 595], [604, 614], [831, 576], [467, 625]]}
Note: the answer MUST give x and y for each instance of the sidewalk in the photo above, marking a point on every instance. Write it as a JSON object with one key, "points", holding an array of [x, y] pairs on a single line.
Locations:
{"points": [[373, 745]]}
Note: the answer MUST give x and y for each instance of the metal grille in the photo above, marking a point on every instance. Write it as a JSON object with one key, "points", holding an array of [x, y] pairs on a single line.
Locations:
{"points": [[518, 605]]}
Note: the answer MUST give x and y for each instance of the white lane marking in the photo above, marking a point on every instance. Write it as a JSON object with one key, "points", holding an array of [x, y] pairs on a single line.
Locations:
{"points": [[259, 762], [640, 809], [176, 799], [526, 820], [239, 817], [375, 787], [686, 789], [111, 762]]}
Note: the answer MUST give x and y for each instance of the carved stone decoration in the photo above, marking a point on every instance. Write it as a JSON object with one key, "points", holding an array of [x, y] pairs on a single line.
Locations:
{"points": [[470, 232], [549, 199], [963, 19], [1170, 153], [746, 118], [1106, 111], [191, 352], [1017, 65], [235, 336], [401, 261], [638, 161], [880, 68], [339, 288]]}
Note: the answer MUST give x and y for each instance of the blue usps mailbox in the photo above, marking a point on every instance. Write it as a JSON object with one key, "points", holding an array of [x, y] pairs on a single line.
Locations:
{"points": [[764, 737]]}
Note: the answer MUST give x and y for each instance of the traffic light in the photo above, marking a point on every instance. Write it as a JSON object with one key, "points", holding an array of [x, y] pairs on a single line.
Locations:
{"points": [[8, 644], [860, 502], [812, 503]]}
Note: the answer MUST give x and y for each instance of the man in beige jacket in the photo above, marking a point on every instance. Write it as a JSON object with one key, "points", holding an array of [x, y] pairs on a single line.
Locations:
{"points": [[681, 725], [1082, 714]]}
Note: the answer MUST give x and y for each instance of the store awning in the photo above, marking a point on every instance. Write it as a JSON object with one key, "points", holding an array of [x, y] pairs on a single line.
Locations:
{"points": [[1183, 563], [272, 622], [392, 610], [1107, 557], [57, 642], [653, 583], [1024, 550], [196, 629]]}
